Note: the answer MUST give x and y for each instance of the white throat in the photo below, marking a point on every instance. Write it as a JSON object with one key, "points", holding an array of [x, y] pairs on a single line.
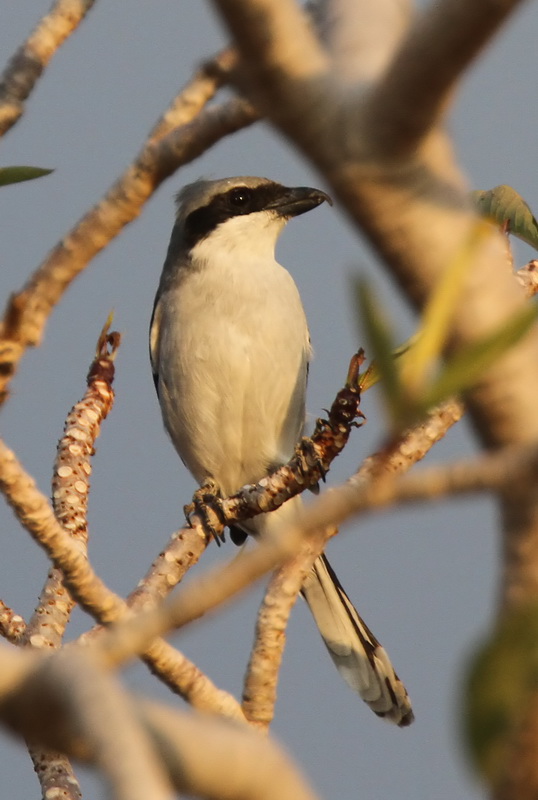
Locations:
{"points": [[246, 238]]}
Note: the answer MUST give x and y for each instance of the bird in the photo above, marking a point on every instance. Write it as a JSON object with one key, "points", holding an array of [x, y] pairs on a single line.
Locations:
{"points": [[230, 351]]}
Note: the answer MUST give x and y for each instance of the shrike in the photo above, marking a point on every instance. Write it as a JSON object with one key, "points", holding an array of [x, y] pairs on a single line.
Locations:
{"points": [[229, 348]]}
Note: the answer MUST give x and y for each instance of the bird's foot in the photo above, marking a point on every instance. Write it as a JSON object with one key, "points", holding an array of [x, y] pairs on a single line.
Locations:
{"points": [[207, 505], [309, 460]]}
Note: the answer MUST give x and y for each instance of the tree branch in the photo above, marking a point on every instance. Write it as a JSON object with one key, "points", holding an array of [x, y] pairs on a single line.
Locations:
{"points": [[70, 493], [12, 625], [445, 38], [30, 60], [259, 687], [414, 208], [98, 723], [28, 310], [361, 36]]}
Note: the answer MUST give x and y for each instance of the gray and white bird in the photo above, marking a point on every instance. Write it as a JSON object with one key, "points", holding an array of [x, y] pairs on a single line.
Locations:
{"points": [[230, 347]]}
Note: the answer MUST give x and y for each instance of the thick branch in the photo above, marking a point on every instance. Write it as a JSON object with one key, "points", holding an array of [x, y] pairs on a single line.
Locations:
{"points": [[361, 36], [96, 722], [414, 208], [446, 37], [93, 720]]}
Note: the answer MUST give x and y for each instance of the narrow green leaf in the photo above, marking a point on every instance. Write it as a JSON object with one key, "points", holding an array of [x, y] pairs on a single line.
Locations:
{"points": [[380, 340], [371, 375], [17, 174], [463, 369], [508, 209], [438, 313]]}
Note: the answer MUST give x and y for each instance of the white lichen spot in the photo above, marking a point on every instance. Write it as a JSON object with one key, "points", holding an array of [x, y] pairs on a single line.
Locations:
{"points": [[54, 792], [65, 471], [87, 467], [75, 449], [37, 640], [76, 433], [81, 486], [72, 499]]}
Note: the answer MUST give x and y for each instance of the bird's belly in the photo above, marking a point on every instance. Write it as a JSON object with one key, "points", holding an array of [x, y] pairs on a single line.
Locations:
{"points": [[241, 405]]}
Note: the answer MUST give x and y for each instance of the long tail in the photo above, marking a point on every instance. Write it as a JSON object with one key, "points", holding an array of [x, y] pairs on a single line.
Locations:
{"points": [[359, 658]]}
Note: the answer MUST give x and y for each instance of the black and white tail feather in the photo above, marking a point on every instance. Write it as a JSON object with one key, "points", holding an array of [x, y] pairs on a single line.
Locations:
{"points": [[359, 658]]}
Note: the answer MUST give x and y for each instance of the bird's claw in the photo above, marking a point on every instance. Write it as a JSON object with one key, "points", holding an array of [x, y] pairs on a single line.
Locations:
{"points": [[207, 505], [310, 458]]}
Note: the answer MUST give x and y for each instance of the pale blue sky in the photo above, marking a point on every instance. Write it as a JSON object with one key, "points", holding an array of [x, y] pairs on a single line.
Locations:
{"points": [[425, 580]]}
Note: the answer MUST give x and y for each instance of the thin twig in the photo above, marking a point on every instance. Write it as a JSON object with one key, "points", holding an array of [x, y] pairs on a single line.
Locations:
{"points": [[29, 62], [527, 276], [28, 310], [498, 471], [12, 625], [71, 486], [261, 678]]}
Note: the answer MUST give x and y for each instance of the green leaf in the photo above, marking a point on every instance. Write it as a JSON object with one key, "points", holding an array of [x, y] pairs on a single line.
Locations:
{"points": [[508, 209], [380, 339], [439, 311], [371, 375], [463, 369], [17, 174], [502, 677]]}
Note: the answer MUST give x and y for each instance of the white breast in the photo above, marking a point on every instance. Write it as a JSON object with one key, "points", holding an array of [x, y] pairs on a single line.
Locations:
{"points": [[232, 358]]}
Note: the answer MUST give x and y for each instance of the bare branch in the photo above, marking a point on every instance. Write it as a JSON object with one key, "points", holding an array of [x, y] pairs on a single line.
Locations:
{"points": [[12, 625], [180, 554], [132, 636], [28, 310], [72, 468], [499, 471], [35, 514], [362, 36], [199, 750], [71, 486], [413, 206], [90, 592], [527, 276], [446, 37], [277, 33], [313, 456], [411, 448], [54, 773], [30, 60], [94, 721], [259, 689], [70, 492]]}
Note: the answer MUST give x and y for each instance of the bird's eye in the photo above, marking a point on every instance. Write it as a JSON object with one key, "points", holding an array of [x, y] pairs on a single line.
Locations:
{"points": [[240, 197]]}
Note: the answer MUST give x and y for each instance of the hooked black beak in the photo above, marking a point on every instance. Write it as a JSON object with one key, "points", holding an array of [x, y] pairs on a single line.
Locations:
{"points": [[298, 200]]}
